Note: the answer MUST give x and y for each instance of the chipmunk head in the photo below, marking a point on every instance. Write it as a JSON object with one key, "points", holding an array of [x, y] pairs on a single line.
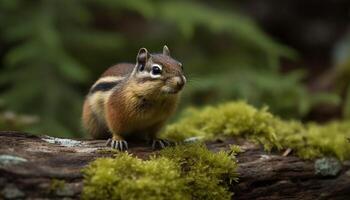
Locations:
{"points": [[159, 73]]}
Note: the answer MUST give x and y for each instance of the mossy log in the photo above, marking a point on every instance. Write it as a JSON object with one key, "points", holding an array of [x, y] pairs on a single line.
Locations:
{"points": [[45, 167]]}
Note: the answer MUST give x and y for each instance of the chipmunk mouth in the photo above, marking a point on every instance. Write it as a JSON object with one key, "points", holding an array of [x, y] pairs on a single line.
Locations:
{"points": [[174, 85], [170, 90]]}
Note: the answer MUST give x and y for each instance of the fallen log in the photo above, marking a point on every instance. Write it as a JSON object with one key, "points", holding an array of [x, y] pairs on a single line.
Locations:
{"points": [[45, 167]]}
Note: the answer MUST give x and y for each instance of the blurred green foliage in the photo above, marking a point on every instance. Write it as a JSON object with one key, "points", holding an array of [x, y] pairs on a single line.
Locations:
{"points": [[53, 50], [342, 71], [286, 95]]}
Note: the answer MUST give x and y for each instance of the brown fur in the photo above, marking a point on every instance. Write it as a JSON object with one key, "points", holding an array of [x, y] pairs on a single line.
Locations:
{"points": [[133, 121], [135, 109], [122, 69], [97, 129], [171, 65]]}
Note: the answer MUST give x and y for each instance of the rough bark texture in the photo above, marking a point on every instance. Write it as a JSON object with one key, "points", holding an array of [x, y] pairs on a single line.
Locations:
{"points": [[262, 175]]}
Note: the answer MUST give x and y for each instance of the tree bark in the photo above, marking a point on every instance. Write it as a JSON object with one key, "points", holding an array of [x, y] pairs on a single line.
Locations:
{"points": [[33, 167]]}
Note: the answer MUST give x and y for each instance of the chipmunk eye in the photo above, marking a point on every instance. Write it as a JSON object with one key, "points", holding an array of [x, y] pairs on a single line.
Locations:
{"points": [[156, 70]]}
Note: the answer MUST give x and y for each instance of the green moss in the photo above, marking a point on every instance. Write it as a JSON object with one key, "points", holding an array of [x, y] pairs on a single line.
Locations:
{"points": [[234, 150], [56, 185], [183, 172], [207, 175], [230, 119], [127, 177], [313, 140], [240, 119]]}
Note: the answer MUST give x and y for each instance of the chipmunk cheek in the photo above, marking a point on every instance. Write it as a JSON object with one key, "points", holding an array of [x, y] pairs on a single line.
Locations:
{"points": [[176, 82], [173, 85], [154, 85]]}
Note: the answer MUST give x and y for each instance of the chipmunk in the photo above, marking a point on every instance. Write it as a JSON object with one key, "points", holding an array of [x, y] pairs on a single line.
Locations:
{"points": [[133, 101]]}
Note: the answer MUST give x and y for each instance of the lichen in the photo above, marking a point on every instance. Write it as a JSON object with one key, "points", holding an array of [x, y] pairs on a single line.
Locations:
{"points": [[238, 119], [62, 142], [10, 191], [8, 160], [183, 172], [328, 166]]}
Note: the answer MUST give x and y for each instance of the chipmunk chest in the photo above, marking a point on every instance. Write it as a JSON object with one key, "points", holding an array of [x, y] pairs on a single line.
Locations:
{"points": [[153, 108], [144, 104]]}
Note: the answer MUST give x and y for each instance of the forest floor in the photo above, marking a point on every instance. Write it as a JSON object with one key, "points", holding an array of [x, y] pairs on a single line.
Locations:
{"points": [[46, 167]]}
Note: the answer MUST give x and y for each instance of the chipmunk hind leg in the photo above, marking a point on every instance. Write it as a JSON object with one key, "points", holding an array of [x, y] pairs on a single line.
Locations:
{"points": [[92, 125]]}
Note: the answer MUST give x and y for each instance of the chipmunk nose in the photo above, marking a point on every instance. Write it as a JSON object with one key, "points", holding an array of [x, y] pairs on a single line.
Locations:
{"points": [[180, 82]]}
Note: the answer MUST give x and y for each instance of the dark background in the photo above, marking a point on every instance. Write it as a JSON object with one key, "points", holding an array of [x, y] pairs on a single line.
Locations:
{"points": [[292, 56]]}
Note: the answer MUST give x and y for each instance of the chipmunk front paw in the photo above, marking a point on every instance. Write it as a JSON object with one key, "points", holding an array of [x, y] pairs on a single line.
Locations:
{"points": [[161, 143], [120, 145]]}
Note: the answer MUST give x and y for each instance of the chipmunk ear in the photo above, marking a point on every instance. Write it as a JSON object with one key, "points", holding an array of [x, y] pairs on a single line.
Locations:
{"points": [[166, 50], [142, 58]]}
